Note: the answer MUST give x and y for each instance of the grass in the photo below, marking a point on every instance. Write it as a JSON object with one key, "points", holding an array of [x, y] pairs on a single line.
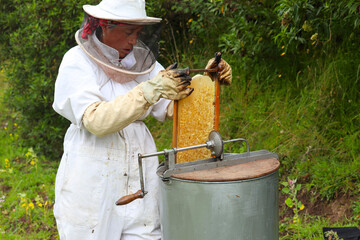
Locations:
{"points": [[26, 185], [309, 122]]}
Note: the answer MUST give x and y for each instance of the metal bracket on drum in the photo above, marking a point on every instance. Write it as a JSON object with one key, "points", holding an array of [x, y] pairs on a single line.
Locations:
{"points": [[216, 146]]}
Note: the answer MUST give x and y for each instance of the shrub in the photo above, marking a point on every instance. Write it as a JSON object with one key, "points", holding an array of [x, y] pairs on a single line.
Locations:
{"points": [[37, 34], [274, 43]]}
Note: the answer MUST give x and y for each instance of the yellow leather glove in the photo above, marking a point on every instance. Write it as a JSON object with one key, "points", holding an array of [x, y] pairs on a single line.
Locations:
{"points": [[224, 73], [169, 83], [103, 118]]}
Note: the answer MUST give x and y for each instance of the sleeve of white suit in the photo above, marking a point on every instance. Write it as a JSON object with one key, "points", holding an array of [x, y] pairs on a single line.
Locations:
{"points": [[78, 98], [76, 86]]}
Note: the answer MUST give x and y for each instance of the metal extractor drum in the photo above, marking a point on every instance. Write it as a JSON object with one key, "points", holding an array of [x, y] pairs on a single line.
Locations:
{"points": [[238, 202]]}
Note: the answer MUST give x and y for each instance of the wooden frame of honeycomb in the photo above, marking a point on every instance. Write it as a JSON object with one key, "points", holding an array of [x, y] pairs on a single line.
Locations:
{"points": [[195, 117]]}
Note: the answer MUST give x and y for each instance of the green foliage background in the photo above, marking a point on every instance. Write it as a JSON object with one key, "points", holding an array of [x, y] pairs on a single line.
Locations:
{"points": [[295, 63], [295, 91], [36, 36]]}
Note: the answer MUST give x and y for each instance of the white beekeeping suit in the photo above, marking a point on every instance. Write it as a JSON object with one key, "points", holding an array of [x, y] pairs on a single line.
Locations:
{"points": [[106, 102], [98, 171]]}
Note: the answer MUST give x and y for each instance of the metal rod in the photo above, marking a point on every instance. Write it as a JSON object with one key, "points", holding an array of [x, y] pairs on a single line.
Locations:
{"points": [[187, 70], [190, 148], [152, 154], [141, 175], [239, 139], [203, 70], [176, 150]]}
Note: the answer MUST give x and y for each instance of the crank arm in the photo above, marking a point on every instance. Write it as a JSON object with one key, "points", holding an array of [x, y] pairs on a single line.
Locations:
{"points": [[140, 193]]}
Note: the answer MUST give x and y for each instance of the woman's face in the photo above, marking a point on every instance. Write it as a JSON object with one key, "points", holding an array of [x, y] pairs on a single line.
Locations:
{"points": [[121, 38]]}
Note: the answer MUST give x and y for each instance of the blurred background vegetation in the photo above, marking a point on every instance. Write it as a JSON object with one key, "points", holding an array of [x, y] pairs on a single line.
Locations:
{"points": [[295, 91]]}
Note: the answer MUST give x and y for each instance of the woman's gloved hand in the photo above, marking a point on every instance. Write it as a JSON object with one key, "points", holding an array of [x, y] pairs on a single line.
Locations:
{"points": [[225, 71], [169, 83]]}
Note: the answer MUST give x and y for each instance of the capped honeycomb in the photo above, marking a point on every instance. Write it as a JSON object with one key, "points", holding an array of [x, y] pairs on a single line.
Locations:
{"points": [[196, 115]]}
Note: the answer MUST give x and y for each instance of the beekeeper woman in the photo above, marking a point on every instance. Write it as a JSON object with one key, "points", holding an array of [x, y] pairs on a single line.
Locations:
{"points": [[106, 86]]}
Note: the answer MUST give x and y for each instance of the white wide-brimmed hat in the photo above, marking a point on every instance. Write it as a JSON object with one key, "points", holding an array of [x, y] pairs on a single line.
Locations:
{"points": [[128, 11]]}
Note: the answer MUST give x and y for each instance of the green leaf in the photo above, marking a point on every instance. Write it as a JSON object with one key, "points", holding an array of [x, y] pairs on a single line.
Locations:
{"points": [[285, 190], [289, 202], [285, 184]]}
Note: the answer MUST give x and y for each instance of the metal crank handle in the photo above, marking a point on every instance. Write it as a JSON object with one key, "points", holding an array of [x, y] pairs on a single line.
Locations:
{"points": [[129, 198], [214, 67], [188, 70], [140, 193]]}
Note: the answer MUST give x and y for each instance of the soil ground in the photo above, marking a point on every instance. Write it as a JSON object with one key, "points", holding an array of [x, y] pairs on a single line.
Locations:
{"points": [[336, 210]]}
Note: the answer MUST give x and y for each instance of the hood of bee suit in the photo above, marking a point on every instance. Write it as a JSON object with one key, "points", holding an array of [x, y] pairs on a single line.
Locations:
{"points": [[110, 13]]}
